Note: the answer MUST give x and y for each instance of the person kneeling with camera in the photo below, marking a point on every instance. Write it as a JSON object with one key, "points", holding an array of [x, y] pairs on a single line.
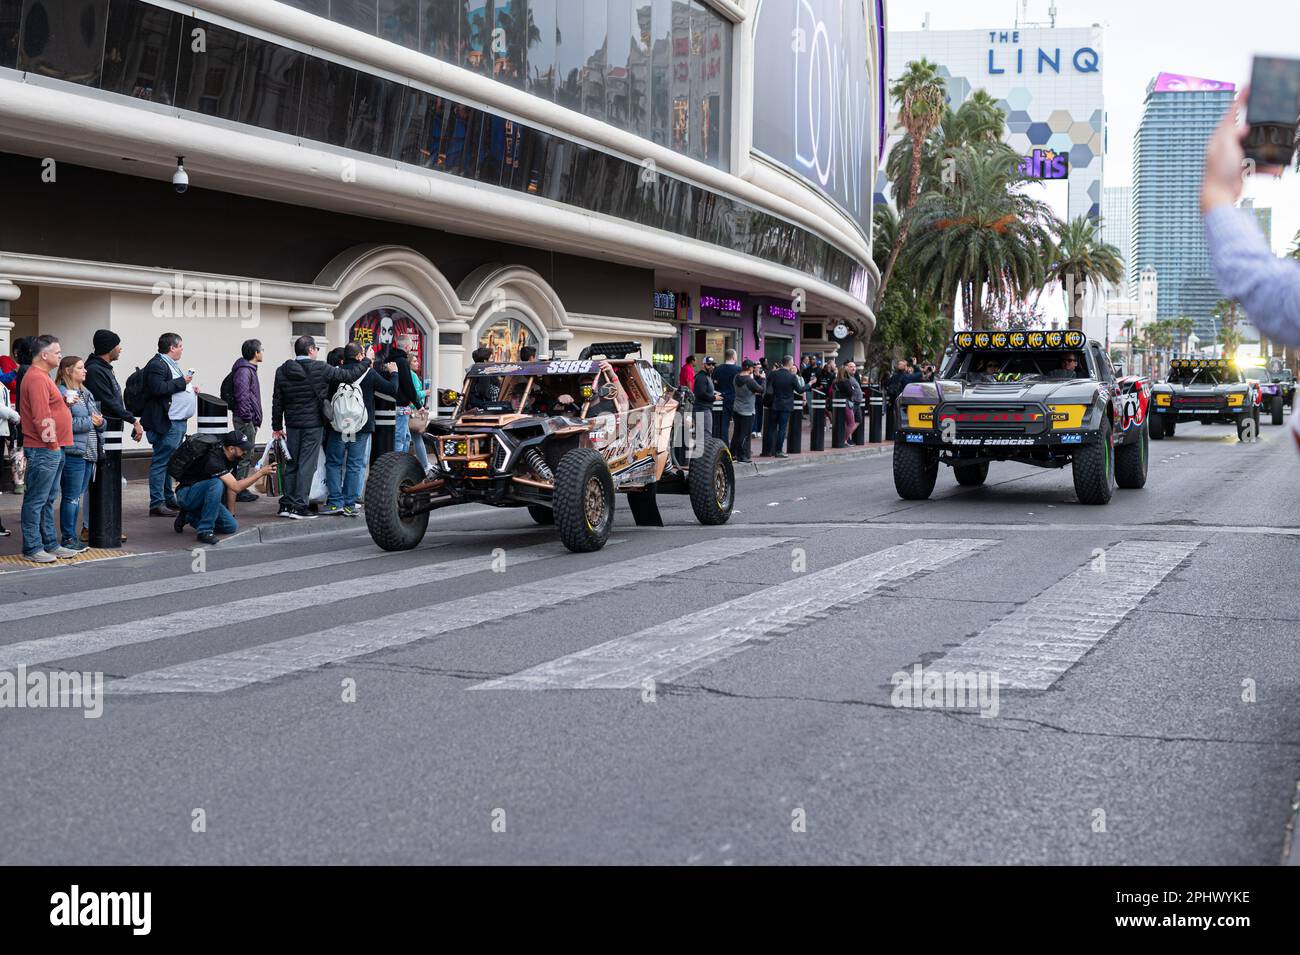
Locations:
{"points": [[203, 467]]}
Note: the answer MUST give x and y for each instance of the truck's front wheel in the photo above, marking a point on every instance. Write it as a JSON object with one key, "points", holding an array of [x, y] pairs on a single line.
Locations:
{"points": [[1094, 468], [916, 468], [583, 500], [389, 519]]}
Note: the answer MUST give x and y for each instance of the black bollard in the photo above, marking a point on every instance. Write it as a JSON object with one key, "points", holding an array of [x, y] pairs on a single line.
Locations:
{"points": [[817, 435], [877, 417], [719, 426], [213, 416], [837, 422], [889, 421], [104, 522], [860, 431], [794, 437], [382, 441]]}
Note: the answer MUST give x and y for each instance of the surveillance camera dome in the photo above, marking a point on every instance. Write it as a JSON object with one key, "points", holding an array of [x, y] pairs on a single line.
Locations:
{"points": [[180, 178]]}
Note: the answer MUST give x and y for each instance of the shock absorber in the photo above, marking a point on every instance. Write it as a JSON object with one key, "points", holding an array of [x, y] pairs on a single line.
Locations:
{"points": [[533, 458]]}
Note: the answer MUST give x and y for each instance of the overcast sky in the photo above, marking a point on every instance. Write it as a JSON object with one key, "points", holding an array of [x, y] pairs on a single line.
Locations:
{"points": [[1144, 37]]}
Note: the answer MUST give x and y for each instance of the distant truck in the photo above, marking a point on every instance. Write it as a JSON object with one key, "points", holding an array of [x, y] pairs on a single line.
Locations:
{"points": [[1209, 390]]}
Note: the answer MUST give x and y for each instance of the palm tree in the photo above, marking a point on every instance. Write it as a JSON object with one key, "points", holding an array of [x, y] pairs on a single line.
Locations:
{"points": [[1295, 252], [920, 95], [1081, 260], [981, 238], [977, 121], [1129, 328]]}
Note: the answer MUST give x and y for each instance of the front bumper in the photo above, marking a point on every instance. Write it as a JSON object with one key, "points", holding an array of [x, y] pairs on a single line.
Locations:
{"points": [[996, 442]]}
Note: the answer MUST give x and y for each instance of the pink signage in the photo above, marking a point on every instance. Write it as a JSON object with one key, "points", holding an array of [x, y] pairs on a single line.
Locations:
{"points": [[1178, 83]]}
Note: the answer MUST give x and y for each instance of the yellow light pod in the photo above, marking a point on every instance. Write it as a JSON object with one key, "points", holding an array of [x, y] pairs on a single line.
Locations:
{"points": [[1017, 339], [1035, 339], [1236, 401], [1055, 339], [1065, 417], [982, 340], [999, 339], [965, 339], [1074, 339], [920, 416], [1163, 401]]}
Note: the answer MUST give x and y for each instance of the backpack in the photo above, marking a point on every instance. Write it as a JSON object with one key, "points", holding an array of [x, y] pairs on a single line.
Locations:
{"points": [[191, 449], [348, 410], [135, 395], [228, 390]]}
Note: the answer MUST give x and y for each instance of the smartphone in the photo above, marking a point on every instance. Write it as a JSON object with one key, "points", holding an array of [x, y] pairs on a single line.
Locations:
{"points": [[1273, 110]]}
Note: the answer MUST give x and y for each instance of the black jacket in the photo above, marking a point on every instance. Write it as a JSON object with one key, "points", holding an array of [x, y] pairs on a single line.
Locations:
{"points": [[159, 386], [724, 379], [102, 383], [405, 386], [704, 391], [302, 386], [784, 385], [370, 383]]}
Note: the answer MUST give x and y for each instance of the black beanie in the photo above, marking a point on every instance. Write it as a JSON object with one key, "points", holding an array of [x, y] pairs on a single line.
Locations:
{"points": [[106, 341]]}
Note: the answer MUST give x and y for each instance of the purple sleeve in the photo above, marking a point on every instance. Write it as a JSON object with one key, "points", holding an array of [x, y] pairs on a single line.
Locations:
{"points": [[1267, 287]]}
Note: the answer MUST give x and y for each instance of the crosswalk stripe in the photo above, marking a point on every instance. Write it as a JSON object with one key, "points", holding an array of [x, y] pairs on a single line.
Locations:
{"points": [[263, 663], [197, 619], [669, 650], [1034, 645], [103, 596]]}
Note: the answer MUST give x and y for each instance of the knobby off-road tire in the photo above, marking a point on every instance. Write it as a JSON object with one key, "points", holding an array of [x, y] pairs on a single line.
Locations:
{"points": [[541, 514], [583, 501], [388, 528], [915, 469], [1171, 426], [712, 483], [1277, 409], [1157, 425], [1131, 462], [1094, 468], [971, 475]]}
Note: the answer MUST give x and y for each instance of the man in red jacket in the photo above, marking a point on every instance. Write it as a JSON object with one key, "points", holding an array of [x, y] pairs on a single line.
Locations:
{"points": [[47, 430]]}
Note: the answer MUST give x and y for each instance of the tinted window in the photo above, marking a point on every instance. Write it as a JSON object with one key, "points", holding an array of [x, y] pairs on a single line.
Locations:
{"points": [[210, 81], [510, 51], [141, 54], [569, 42], [661, 60], [272, 86], [638, 68], [539, 58], [376, 115], [64, 40], [358, 14], [399, 21], [318, 7], [679, 82], [714, 65], [326, 101], [415, 129], [619, 25], [594, 49], [440, 28], [476, 37], [11, 14]]}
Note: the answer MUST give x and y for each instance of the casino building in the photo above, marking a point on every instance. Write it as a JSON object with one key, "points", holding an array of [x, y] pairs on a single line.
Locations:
{"points": [[693, 174]]}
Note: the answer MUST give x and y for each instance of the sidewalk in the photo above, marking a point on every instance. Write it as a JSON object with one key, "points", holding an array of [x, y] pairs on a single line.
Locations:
{"points": [[258, 521]]}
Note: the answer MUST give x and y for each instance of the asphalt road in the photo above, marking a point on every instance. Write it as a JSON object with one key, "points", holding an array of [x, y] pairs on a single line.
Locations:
{"points": [[693, 695]]}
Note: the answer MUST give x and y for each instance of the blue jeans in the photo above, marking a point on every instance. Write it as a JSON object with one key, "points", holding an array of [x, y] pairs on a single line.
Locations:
{"points": [[402, 434], [203, 505], [75, 480], [780, 424], [164, 446], [44, 468], [344, 480]]}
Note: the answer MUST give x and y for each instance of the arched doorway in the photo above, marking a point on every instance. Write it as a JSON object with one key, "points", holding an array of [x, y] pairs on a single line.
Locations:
{"points": [[507, 331], [380, 320]]}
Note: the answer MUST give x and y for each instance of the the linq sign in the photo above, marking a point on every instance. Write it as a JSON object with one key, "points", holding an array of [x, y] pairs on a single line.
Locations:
{"points": [[1084, 60]]}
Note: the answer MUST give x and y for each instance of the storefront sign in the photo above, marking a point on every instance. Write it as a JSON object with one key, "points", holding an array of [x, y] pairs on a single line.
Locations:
{"points": [[381, 326], [1045, 164], [672, 306], [723, 305]]}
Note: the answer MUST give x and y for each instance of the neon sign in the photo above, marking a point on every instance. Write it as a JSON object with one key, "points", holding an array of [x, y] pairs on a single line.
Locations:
{"points": [[1045, 164]]}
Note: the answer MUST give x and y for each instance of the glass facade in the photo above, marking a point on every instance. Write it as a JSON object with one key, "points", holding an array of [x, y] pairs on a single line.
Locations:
{"points": [[609, 59], [1168, 233], [150, 53]]}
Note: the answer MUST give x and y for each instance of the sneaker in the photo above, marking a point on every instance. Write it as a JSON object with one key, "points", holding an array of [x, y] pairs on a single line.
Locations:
{"points": [[64, 553], [286, 512], [349, 510], [304, 515], [41, 557], [208, 538], [783, 455], [247, 497], [178, 525], [332, 511], [76, 546]]}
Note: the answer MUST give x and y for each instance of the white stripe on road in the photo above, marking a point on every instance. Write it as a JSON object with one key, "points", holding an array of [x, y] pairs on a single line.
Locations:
{"points": [[90, 600], [1033, 646], [183, 623], [263, 663], [670, 650]]}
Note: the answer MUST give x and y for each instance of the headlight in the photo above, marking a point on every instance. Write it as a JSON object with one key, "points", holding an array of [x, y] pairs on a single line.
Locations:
{"points": [[1065, 417], [455, 449], [1236, 401], [1164, 401]]}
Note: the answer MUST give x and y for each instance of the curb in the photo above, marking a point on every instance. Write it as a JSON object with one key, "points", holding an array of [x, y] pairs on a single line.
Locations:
{"points": [[760, 468]]}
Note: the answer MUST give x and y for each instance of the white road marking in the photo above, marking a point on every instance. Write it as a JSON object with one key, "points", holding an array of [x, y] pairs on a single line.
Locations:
{"points": [[263, 663], [1033, 646], [183, 623], [100, 597], [672, 649]]}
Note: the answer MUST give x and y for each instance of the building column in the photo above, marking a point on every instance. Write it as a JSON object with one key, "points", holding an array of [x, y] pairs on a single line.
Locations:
{"points": [[8, 293]]}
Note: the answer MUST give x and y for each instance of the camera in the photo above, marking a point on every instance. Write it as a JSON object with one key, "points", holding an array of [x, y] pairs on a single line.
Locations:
{"points": [[180, 178]]}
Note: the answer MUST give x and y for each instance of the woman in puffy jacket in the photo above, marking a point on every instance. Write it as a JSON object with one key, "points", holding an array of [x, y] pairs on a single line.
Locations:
{"points": [[78, 460]]}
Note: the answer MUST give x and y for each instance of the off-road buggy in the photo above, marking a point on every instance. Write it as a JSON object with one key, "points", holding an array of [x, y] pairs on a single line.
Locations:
{"points": [[558, 437], [1041, 397], [1209, 390]]}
